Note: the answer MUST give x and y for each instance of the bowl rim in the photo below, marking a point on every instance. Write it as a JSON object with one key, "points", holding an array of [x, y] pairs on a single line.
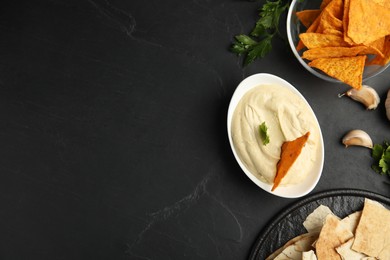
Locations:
{"points": [[291, 191]]}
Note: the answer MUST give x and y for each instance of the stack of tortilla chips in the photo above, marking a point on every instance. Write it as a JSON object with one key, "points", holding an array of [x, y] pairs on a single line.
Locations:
{"points": [[361, 235], [342, 34]]}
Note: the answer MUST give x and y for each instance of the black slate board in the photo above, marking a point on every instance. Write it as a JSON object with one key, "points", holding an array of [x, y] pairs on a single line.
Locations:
{"points": [[288, 223]]}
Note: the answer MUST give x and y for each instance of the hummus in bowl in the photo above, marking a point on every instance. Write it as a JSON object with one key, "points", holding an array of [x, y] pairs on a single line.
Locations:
{"points": [[265, 98]]}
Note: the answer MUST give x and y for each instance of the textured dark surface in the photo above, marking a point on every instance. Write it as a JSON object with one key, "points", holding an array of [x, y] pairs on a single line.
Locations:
{"points": [[113, 139]]}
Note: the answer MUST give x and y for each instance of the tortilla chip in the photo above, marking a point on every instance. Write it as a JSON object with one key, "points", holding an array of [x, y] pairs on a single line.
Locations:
{"points": [[313, 27], [329, 21], [300, 45], [361, 25], [319, 40], [385, 3], [346, 69], [332, 52], [307, 17], [376, 47], [336, 8], [289, 153], [372, 235], [346, 21], [368, 21], [333, 32], [378, 60], [333, 234], [324, 3]]}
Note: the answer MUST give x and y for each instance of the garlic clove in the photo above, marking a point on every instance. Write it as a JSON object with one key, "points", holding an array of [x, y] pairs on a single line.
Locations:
{"points": [[387, 104], [366, 95], [357, 138]]}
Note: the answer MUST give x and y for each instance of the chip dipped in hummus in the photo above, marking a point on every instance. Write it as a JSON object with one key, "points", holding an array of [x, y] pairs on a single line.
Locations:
{"points": [[286, 117]]}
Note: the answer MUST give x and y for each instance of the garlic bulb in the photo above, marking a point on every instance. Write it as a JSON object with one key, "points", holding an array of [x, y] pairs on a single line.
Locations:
{"points": [[357, 138], [387, 104], [366, 95]]}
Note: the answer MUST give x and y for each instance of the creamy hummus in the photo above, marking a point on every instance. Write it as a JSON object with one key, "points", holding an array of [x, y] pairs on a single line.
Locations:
{"points": [[287, 117]]}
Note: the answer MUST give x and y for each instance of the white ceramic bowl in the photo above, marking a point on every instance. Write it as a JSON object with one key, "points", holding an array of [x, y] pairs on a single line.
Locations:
{"points": [[291, 191], [294, 28]]}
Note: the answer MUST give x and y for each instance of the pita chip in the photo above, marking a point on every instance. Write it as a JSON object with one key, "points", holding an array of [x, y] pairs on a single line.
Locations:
{"points": [[309, 255], [315, 220], [294, 247], [333, 234], [346, 252], [352, 220], [294, 251], [372, 235]]}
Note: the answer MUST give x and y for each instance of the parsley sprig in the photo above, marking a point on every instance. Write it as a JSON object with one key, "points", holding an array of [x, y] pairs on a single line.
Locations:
{"points": [[259, 42], [381, 156], [263, 131]]}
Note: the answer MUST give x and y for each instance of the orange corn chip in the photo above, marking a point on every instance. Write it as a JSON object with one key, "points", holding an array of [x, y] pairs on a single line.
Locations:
{"points": [[334, 32], [324, 3], [307, 17], [288, 155], [346, 36], [368, 21], [346, 21], [329, 21], [376, 47], [332, 52], [378, 60], [313, 27], [346, 69], [385, 3], [336, 8], [319, 40]]}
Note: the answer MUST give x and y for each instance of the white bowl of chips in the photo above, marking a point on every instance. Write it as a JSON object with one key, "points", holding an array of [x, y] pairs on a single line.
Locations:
{"points": [[319, 37]]}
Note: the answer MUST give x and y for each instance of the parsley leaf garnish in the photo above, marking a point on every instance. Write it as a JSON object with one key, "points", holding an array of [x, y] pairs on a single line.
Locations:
{"points": [[259, 42], [381, 156], [263, 131]]}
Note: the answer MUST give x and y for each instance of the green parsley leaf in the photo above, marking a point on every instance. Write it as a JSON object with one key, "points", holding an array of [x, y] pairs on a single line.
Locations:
{"points": [[263, 131], [383, 165], [377, 152], [259, 50], [245, 40], [381, 156], [259, 43]]}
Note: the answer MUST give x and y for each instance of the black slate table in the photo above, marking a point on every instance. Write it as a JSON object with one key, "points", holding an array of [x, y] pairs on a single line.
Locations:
{"points": [[113, 136]]}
